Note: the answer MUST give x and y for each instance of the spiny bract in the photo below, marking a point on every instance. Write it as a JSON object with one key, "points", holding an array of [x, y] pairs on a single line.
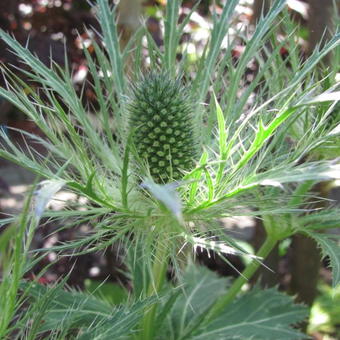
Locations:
{"points": [[161, 115]]}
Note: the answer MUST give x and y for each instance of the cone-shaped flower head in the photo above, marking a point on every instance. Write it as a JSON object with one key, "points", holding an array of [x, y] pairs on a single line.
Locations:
{"points": [[161, 115]]}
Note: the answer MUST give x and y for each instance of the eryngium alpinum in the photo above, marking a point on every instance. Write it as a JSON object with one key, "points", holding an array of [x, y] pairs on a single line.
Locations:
{"points": [[161, 115]]}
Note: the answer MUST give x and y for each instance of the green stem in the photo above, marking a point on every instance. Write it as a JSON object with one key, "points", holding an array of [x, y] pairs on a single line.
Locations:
{"points": [[158, 276], [235, 288]]}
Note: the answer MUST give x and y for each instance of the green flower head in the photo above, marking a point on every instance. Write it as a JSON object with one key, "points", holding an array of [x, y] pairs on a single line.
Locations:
{"points": [[161, 115]]}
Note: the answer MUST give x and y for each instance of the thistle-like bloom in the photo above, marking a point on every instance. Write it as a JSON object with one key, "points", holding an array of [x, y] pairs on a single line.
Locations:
{"points": [[161, 115]]}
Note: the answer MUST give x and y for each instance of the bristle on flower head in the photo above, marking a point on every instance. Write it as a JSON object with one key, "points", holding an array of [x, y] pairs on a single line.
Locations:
{"points": [[161, 114]]}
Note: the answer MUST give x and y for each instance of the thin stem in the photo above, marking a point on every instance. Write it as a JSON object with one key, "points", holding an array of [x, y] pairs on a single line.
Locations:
{"points": [[300, 193], [158, 276], [235, 288]]}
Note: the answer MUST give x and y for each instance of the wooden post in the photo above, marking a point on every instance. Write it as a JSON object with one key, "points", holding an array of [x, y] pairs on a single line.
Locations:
{"points": [[260, 7], [319, 22], [129, 16]]}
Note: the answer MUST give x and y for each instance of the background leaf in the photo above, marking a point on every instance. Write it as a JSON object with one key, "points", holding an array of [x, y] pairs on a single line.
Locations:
{"points": [[262, 315], [194, 300], [329, 248]]}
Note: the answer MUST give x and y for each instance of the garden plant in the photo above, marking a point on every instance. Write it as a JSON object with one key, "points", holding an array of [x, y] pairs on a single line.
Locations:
{"points": [[179, 143]]}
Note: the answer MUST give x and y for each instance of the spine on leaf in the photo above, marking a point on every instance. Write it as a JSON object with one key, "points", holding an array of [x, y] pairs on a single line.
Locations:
{"points": [[161, 115]]}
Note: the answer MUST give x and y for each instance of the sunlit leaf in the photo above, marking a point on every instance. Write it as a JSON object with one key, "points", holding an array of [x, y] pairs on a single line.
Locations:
{"points": [[325, 97], [45, 193], [166, 194]]}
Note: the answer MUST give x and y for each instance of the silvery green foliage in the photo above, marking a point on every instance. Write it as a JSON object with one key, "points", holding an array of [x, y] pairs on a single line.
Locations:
{"points": [[160, 115], [65, 312]]}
